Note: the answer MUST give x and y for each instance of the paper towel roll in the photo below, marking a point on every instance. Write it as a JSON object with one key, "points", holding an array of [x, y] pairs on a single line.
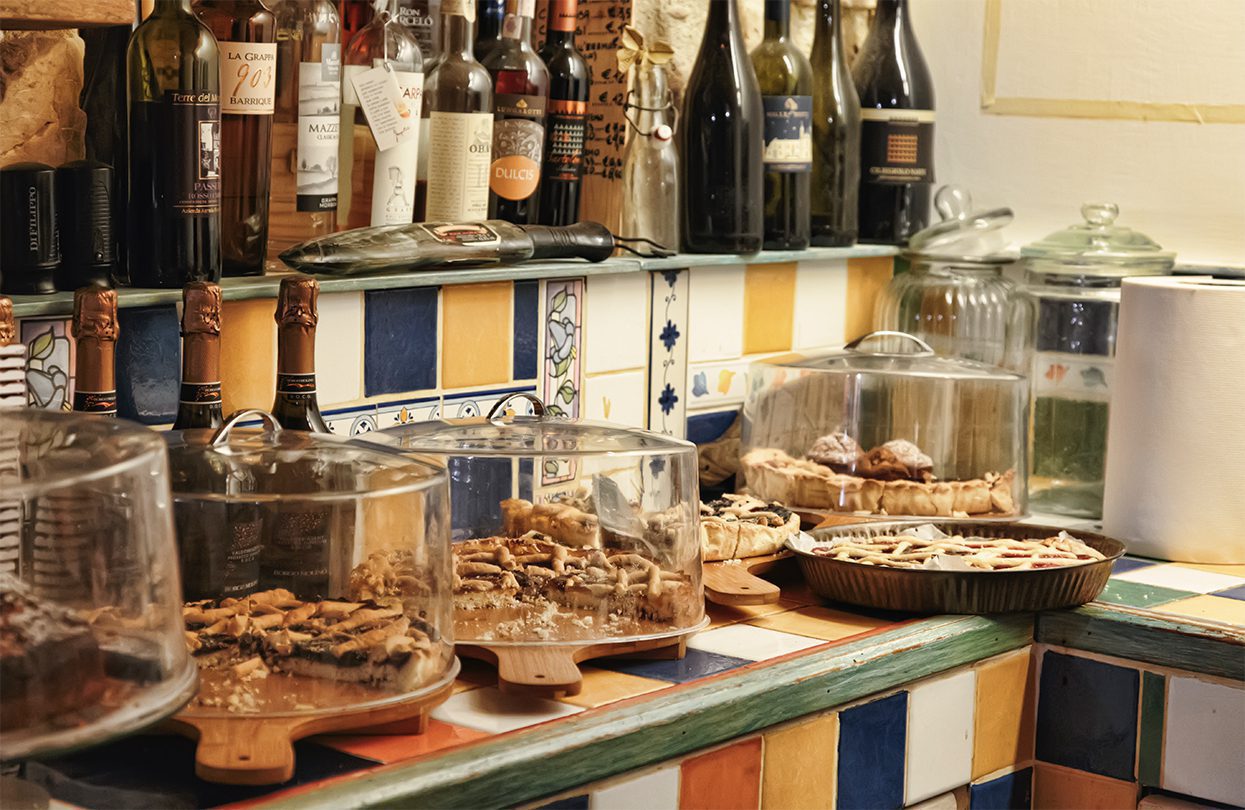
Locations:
{"points": [[1175, 475]]}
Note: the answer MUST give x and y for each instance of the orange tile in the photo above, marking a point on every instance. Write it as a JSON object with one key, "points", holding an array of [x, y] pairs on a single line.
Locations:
{"points": [[602, 686], [248, 354], [726, 778], [769, 307], [1006, 698], [394, 747], [800, 764], [722, 615], [1208, 608], [820, 622], [1059, 788], [476, 334], [1226, 569], [865, 279]]}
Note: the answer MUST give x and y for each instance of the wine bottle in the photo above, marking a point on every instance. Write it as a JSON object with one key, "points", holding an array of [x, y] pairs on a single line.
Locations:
{"points": [[897, 128], [199, 405], [174, 147], [722, 121], [305, 127], [94, 328], [380, 183], [420, 18], [786, 81], [458, 102], [355, 15], [836, 134], [567, 117], [489, 17], [295, 406], [520, 83], [247, 34]]}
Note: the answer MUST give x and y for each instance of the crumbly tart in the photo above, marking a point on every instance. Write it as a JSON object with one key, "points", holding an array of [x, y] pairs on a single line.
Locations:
{"points": [[772, 474], [564, 521], [981, 553], [738, 526]]}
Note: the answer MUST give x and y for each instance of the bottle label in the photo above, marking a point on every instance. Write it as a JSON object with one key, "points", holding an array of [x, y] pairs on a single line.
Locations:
{"points": [[420, 22], [319, 88], [242, 558], [566, 124], [296, 385], [297, 554], [207, 393], [393, 179], [788, 133], [454, 233], [897, 146], [103, 403], [518, 146], [460, 147], [196, 142], [248, 78]]}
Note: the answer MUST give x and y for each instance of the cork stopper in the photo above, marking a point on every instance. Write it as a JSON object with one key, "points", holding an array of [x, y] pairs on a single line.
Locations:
{"points": [[201, 308], [95, 313], [8, 326], [296, 302]]}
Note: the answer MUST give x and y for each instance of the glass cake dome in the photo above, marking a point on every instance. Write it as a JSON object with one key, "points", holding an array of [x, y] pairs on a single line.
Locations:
{"points": [[91, 640], [885, 427], [565, 531]]}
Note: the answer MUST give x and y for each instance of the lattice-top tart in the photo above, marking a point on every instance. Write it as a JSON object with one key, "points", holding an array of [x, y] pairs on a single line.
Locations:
{"points": [[738, 526], [957, 552]]}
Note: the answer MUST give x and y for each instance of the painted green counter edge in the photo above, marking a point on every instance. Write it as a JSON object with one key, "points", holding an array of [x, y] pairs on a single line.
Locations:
{"points": [[600, 743], [233, 289], [1151, 638]]}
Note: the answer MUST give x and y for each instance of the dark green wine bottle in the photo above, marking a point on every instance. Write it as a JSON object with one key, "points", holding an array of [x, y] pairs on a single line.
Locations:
{"points": [[295, 406], [836, 134]]}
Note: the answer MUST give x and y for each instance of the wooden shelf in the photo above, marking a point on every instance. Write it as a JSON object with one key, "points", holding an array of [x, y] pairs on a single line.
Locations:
{"points": [[61, 14]]}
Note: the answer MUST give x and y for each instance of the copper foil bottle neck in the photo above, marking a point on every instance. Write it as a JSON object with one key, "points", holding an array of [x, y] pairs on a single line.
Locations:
{"points": [[296, 318], [201, 305], [8, 326], [95, 329]]}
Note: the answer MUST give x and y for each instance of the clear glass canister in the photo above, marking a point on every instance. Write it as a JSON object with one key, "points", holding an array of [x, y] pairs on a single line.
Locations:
{"points": [[565, 531], [316, 570], [90, 606], [873, 430], [955, 296], [651, 166], [1065, 321]]}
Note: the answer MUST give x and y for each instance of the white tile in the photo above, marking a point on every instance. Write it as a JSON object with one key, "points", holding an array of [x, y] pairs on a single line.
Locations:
{"points": [[820, 304], [339, 348], [616, 322], [1171, 575], [618, 398], [716, 385], [657, 789], [750, 643], [946, 801], [1204, 740], [715, 313], [940, 735], [488, 709], [667, 377], [1157, 801]]}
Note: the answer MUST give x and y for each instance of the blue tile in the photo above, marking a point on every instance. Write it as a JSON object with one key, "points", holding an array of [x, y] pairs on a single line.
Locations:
{"points": [[400, 340], [1233, 593], [1124, 564], [567, 803], [1013, 791], [695, 665], [478, 485], [526, 478], [706, 427], [1087, 715], [526, 329], [872, 739], [149, 360]]}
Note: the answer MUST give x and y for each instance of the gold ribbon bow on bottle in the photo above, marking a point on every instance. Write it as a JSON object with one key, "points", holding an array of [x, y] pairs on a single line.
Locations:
{"points": [[634, 52]]}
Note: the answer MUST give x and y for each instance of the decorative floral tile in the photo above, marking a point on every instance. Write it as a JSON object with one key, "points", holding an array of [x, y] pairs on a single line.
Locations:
{"points": [[352, 421], [657, 788], [820, 304], [714, 312], [1004, 713], [940, 735], [769, 307], [616, 323], [717, 385], [339, 348], [1087, 715], [799, 769], [1204, 741], [526, 330], [476, 334], [667, 377], [148, 364], [619, 397], [750, 643], [1011, 791], [400, 340], [561, 366], [402, 412], [871, 753], [728, 778], [488, 709], [49, 362], [468, 404]]}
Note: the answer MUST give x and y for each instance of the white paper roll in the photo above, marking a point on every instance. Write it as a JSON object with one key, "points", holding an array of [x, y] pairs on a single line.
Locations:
{"points": [[1175, 475]]}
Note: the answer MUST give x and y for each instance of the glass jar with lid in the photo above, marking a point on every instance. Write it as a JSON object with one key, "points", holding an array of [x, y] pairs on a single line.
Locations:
{"points": [[885, 426], [954, 297], [565, 532], [1064, 324], [91, 641], [316, 571]]}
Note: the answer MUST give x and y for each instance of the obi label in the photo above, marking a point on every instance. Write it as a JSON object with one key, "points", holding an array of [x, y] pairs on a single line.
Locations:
{"points": [[200, 393], [788, 133], [455, 233], [566, 124], [196, 141], [897, 146], [248, 78], [460, 148], [518, 146], [319, 89], [101, 403]]}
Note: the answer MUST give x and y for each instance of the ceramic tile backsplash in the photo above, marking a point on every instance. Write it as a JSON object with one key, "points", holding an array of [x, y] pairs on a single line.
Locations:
{"points": [[148, 361], [769, 307], [1058, 788], [1087, 715], [866, 278], [728, 778], [871, 753], [820, 304], [1006, 702], [617, 397], [339, 349], [717, 385], [526, 330], [352, 421], [667, 374], [709, 426], [248, 354], [715, 306], [799, 768], [477, 335], [404, 411], [1006, 792], [561, 373], [616, 312], [400, 340], [940, 735], [1204, 740], [50, 353], [654, 788], [1150, 745]]}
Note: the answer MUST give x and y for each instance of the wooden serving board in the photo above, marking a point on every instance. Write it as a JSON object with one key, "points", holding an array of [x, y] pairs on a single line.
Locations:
{"points": [[816, 518], [255, 749], [736, 582]]}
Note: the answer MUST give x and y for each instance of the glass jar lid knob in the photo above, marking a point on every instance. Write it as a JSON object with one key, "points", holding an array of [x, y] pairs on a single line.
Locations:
{"points": [[1100, 214]]}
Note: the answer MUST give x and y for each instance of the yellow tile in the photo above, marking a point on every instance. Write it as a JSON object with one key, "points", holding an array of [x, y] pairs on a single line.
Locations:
{"points": [[820, 622], [1227, 570], [476, 334], [1006, 693], [769, 307], [1059, 788], [799, 764], [248, 354], [1209, 608], [865, 279], [601, 686], [721, 615]]}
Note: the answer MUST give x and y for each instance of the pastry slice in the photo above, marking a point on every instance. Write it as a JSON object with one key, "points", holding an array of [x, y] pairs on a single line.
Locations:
{"points": [[759, 528]]}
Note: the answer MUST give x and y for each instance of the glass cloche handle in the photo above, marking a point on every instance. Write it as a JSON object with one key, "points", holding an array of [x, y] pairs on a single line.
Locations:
{"points": [[499, 408], [271, 427], [1100, 215], [923, 348], [953, 202]]}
